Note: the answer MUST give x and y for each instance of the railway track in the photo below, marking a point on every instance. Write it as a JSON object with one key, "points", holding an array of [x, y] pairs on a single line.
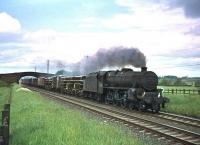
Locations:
{"points": [[148, 126], [180, 119]]}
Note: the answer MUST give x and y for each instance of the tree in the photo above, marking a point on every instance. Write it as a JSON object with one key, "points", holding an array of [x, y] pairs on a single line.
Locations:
{"points": [[67, 73], [197, 83], [179, 82], [60, 72], [165, 82]]}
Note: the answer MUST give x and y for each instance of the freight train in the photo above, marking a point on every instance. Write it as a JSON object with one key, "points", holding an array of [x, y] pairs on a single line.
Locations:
{"points": [[127, 88]]}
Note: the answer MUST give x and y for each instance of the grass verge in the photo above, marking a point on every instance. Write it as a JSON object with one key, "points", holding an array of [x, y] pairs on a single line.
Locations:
{"points": [[39, 121], [188, 105]]}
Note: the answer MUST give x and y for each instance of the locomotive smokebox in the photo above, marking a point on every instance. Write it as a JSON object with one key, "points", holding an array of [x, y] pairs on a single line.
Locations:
{"points": [[143, 69]]}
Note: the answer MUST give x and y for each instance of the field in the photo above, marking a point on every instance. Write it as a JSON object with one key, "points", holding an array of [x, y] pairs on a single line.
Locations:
{"points": [[184, 104], [38, 120]]}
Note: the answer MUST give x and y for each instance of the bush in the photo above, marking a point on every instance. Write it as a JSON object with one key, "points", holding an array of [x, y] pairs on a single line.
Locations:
{"points": [[197, 83], [179, 82], [3, 84], [165, 82]]}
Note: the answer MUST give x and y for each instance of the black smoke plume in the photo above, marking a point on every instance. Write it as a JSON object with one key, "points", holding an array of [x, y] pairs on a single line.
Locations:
{"points": [[60, 64], [113, 57]]}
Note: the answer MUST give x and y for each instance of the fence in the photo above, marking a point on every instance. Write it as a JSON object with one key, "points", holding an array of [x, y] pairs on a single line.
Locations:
{"points": [[5, 124], [182, 91]]}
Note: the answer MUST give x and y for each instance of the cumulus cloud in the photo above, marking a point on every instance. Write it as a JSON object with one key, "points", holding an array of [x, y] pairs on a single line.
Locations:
{"points": [[175, 65], [11, 37], [71, 47], [186, 53], [191, 7], [8, 23], [194, 30]]}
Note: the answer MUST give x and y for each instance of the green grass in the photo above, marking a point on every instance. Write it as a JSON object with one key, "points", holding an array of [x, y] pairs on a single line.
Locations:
{"points": [[4, 93], [184, 104], [36, 120], [3, 84], [188, 105]]}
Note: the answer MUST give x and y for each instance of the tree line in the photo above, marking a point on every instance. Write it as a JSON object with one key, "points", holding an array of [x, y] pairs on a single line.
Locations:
{"points": [[179, 81]]}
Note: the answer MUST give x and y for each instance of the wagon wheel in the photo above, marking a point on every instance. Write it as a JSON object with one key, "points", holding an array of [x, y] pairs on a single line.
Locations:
{"points": [[106, 101], [124, 103]]}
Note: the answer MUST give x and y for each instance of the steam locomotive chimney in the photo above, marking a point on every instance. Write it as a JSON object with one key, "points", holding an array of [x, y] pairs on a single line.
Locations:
{"points": [[143, 69]]}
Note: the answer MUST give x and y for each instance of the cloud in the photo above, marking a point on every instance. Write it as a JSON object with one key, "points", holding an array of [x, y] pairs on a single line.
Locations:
{"points": [[143, 15], [9, 23], [194, 30], [174, 65], [10, 37], [147, 19], [72, 47], [190, 53], [191, 7], [153, 32]]}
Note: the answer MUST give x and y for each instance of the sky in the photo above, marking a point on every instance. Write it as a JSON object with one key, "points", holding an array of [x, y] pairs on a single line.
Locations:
{"points": [[166, 31]]}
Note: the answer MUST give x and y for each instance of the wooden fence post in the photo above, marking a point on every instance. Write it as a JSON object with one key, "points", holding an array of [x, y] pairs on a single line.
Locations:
{"points": [[1, 135], [7, 107], [5, 115], [5, 134]]}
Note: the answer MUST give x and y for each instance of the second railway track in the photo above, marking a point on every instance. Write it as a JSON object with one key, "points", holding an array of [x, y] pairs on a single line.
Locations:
{"points": [[180, 119], [176, 134]]}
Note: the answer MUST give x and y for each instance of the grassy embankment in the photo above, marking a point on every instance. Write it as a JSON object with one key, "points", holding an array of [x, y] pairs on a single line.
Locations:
{"points": [[39, 121], [184, 104]]}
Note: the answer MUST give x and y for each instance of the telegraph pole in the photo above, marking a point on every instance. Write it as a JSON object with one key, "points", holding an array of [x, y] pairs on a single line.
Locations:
{"points": [[47, 66]]}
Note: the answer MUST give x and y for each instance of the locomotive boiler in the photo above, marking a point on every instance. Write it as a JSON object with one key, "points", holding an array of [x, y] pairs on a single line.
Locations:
{"points": [[147, 80]]}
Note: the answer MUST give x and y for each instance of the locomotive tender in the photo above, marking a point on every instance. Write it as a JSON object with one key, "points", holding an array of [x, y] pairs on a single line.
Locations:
{"points": [[127, 88]]}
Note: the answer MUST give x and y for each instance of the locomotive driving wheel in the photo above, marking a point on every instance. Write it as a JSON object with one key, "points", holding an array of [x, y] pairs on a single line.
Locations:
{"points": [[155, 108], [141, 106]]}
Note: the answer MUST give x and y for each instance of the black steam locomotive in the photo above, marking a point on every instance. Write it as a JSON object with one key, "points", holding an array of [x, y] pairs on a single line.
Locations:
{"points": [[127, 88]]}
